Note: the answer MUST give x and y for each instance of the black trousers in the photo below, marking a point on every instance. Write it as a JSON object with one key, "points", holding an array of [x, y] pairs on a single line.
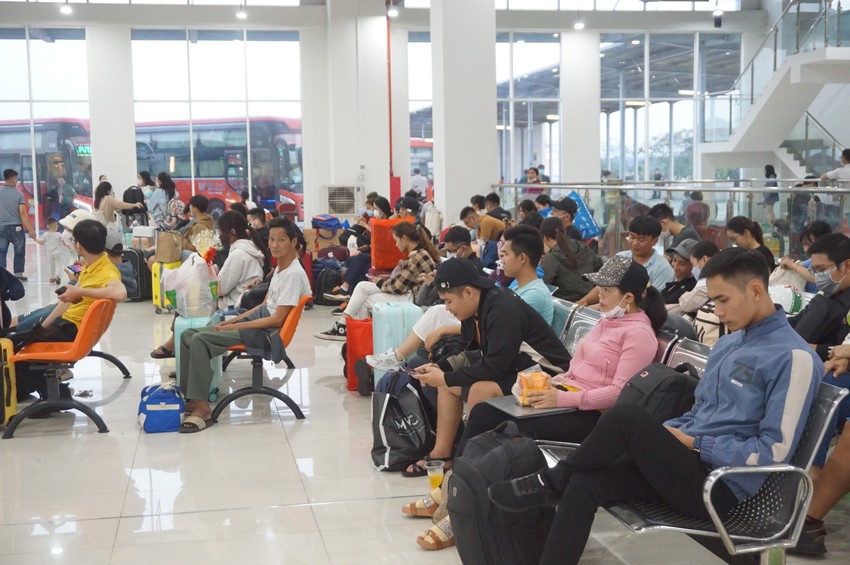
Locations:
{"points": [[628, 456], [357, 267], [568, 426]]}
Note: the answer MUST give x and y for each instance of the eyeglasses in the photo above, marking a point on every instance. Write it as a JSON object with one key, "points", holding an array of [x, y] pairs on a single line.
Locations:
{"points": [[639, 238], [734, 239], [820, 269]]}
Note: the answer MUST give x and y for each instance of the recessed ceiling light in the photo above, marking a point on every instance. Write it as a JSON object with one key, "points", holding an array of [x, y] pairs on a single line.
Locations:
{"points": [[66, 9], [635, 41], [579, 25], [392, 11]]}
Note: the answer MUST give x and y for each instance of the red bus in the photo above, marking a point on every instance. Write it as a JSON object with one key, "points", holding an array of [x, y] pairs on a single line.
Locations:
{"points": [[62, 149], [221, 160]]}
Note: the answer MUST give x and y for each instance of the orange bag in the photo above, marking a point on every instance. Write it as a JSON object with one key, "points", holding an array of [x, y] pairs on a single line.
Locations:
{"points": [[385, 255], [358, 344]]}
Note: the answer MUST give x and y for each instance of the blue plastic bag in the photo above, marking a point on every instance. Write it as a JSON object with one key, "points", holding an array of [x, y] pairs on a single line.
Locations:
{"points": [[584, 221]]}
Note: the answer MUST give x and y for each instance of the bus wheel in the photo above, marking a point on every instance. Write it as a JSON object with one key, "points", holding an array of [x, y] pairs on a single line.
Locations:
{"points": [[216, 209]]}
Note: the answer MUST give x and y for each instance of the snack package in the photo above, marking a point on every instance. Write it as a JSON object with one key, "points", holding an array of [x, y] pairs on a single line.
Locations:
{"points": [[531, 379]]}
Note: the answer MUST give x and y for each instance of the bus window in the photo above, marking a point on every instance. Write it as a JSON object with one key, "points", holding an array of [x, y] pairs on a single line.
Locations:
{"points": [[235, 172], [263, 176]]}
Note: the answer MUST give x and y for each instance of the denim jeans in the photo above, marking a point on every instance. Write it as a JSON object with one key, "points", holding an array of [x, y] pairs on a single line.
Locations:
{"points": [[13, 235]]}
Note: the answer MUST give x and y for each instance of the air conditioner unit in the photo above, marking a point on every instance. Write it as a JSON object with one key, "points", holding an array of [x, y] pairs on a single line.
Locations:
{"points": [[343, 200]]}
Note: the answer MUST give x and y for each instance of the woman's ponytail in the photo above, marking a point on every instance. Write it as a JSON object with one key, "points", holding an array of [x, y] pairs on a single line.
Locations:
{"points": [[426, 243], [653, 306]]}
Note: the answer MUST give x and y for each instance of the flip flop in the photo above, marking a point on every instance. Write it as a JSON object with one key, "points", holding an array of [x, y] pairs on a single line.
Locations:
{"points": [[194, 424], [162, 353], [419, 470], [438, 536]]}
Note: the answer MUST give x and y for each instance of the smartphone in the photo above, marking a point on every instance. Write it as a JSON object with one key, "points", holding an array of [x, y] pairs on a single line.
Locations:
{"points": [[76, 269], [407, 370]]}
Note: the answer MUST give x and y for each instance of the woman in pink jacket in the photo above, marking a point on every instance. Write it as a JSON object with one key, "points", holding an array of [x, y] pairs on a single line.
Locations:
{"points": [[621, 344]]}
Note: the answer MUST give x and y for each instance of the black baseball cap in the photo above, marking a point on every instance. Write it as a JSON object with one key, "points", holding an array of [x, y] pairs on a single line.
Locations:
{"points": [[460, 272], [567, 205], [623, 272], [410, 203]]}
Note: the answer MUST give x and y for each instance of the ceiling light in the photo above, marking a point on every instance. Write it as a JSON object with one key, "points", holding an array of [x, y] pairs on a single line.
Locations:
{"points": [[601, 55], [578, 26], [635, 41], [66, 9], [501, 127], [555, 34], [555, 70], [686, 92], [635, 103], [392, 12], [553, 117], [241, 14], [520, 42]]}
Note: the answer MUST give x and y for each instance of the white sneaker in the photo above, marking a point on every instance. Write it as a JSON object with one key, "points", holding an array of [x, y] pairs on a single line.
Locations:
{"points": [[383, 361]]}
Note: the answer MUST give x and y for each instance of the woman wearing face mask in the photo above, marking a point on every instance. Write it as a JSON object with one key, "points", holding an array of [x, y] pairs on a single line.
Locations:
{"points": [[695, 299], [743, 232]]}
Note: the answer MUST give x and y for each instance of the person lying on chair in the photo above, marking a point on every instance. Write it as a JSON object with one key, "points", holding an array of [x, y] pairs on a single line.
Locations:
{"points": [[198, 346]]}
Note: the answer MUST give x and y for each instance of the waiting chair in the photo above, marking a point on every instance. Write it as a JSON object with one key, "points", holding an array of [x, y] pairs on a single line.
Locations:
{"points": [[563, 311], [767, 522], [584, 320], [287, 332], [689, 351], [57, 356], [666, 343], [681, 326]]}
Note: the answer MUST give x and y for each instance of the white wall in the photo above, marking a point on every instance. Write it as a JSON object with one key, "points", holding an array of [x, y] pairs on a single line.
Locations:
{"points": [[580, 92], [400, 110], [113, 130]]}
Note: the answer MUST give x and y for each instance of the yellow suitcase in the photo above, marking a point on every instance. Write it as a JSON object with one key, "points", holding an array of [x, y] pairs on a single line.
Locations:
{"points": [[8, 387], [159, 303]]}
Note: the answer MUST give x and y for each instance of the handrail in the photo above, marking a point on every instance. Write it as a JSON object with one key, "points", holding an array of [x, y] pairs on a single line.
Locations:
{"points": [[824, 130], [827, 189]]}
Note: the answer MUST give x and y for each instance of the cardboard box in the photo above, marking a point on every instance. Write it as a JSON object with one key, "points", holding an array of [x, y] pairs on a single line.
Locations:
{"points": [[324, 239]]}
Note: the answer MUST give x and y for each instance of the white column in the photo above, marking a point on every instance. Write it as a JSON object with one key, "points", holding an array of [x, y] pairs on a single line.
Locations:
{"points": [[113, 130], [358, 94], [463, 43], [580, 93], [315, 118], [401, 110]]}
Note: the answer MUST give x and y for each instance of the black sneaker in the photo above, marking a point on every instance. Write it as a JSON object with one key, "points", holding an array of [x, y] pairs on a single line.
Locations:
{"points": [[336, 333], [812, 540], [21, 277], [365, 378], [523, 493]]}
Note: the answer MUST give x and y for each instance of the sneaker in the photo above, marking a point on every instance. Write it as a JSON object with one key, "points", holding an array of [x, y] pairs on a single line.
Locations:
{"points": [[383, 361], [336, 333], [341, 310], [812, 540], [523, 493], [21, 277], [338, 295]]}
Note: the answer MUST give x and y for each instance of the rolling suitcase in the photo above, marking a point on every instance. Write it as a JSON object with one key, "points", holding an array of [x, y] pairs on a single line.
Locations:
{"points": [[358, 344], [391, 324], [157, 293], [136, 257], [8, 386], [181, 324]]}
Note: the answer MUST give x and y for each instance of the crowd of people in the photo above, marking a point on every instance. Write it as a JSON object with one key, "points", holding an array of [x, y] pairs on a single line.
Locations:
{"points": [[485, 285]]}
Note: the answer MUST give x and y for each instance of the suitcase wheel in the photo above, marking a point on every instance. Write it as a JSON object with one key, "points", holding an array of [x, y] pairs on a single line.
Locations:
{"points": [[158, 310]]}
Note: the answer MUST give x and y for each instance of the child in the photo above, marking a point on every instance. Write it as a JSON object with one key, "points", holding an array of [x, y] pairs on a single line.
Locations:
{"points": [[57, 253]]}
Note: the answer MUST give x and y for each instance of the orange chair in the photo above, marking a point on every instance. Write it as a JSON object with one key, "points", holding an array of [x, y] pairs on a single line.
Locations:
{"points": [[287, 332], [63, 355]]}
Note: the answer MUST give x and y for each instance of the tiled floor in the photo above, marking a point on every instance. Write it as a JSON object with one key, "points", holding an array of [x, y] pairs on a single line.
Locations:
{"points": [[258, 488]]}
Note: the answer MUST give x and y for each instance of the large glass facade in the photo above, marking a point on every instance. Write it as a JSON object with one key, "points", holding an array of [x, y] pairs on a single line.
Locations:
{"points": [[227, 119], [655, 86], [420, 95], [44, 130]]}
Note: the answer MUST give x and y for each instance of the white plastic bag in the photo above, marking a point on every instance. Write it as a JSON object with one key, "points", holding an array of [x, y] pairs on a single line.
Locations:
{"points": [[192, 284]]}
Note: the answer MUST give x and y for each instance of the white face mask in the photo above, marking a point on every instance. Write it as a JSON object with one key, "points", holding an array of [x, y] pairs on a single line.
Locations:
{"points": [[616, 312]]}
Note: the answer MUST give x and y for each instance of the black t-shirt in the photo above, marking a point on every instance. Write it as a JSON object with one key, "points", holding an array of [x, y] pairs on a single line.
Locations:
{"points": [[771, 260], [573, 233]]}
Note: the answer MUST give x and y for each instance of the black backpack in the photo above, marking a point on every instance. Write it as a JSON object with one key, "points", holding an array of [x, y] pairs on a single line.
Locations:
{"points": [[133, 195], [485, 534], [326, 281], [663, 391]]}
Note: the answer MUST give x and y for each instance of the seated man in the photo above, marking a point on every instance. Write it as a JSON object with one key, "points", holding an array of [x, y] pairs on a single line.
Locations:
{"points": [[520, 256], [670, 226], [99, 278], [682, 269], [696, 298], [823, 322], [751, 406], [489, 230], [199, 346], [644, 232], [495, 323]]}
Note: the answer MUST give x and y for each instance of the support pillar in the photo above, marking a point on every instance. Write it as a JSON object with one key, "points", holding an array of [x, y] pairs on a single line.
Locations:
{"points": [[580, 94]]}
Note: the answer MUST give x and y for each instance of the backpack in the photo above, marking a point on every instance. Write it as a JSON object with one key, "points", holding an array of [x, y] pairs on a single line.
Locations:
{"points": [[662, 391], [484, 533], [176, 210], [161, 408], [326, 281], [433, 219], [708, 326], [134, 195], [326, 222]]}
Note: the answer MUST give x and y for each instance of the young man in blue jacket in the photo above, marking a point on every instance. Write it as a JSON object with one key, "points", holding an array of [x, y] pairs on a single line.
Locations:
{"points": [[751, 407]]}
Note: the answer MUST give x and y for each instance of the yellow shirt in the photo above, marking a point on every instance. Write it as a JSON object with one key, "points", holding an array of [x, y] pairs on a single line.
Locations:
{"points": [[97, 275], [490, 228]]}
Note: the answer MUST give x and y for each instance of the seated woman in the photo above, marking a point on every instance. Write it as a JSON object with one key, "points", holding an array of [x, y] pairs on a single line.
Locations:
{"points": [[400, 286], [245, 263], [566, 261], [105, 205], [199, 346], [743, 232], [621, 344]]}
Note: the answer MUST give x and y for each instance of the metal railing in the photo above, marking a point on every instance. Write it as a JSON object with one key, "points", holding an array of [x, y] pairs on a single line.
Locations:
{"points": [[813, 146], [781, 211], [798, 29]]}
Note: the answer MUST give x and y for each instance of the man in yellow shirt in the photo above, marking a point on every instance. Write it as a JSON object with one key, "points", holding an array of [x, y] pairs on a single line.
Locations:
{"points": [[99, 278], [489, 228]]}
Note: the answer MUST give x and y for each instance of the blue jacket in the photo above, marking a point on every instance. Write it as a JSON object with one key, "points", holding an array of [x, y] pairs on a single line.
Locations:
{"points": [[753, 400]]}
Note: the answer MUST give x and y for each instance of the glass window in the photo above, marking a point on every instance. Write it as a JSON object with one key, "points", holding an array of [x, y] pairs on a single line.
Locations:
{"points": [[536, 59], [160, 65], [58, 63], [217, 65], [671, 65], [419, 65], [274, 65], [13, 53], [623, 64]]}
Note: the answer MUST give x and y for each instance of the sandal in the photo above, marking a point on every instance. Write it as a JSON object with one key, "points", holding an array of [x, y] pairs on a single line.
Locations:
{"points": [[424, 507], [438, 536], [194, 424], [162, 353], [418, 469]]}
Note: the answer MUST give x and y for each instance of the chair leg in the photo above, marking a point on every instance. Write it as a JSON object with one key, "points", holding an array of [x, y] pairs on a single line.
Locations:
{"points": [[257, 387], [230, 357], [114, 360], [774, 556]]}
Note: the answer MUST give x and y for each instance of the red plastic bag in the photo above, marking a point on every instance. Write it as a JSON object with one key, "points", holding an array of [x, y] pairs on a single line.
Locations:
{"points": [[385, 255], [358, 344]]}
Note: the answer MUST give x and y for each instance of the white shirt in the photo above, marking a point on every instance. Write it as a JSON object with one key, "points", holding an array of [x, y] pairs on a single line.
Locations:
{"points": [[419, 184], [287, 287], [659, 270], [841, 173]]}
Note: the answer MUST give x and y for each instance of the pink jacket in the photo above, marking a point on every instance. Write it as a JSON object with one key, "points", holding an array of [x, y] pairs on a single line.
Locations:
{"points": [[605, 359]]}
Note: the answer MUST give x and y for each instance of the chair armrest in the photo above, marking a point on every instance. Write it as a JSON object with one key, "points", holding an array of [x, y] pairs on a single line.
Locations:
{"points": [[803, 498]]}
